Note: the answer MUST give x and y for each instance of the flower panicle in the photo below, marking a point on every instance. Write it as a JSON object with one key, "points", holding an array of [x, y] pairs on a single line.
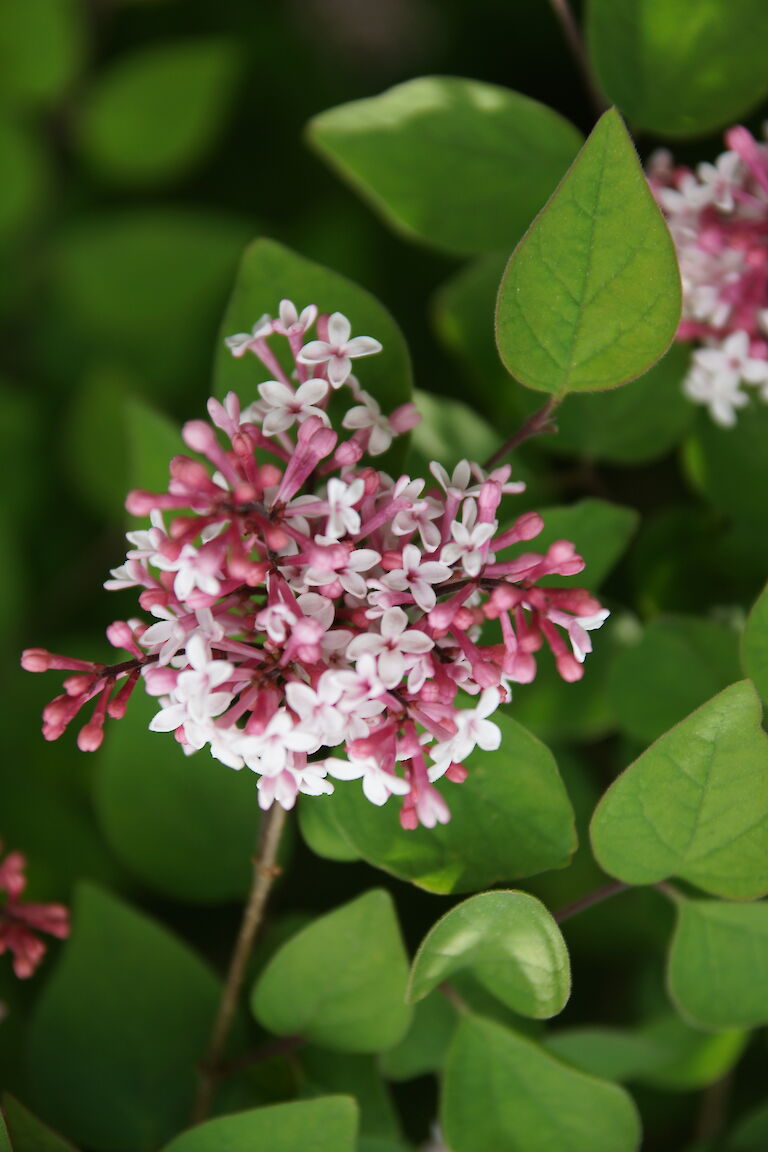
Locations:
{"points": [[718, 218], [313, 618]]}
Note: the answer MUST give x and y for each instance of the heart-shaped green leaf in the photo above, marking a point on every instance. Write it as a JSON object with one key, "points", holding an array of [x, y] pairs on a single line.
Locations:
{"points": [[341, 981], [510, 818], [457, 164], [511, 944], [120, 1029], [718, 963], [503, 1091], [591, 295], [328, 1124], [755, 644], [423, 1047], [679, 69], [695, 804], [185, 824]]}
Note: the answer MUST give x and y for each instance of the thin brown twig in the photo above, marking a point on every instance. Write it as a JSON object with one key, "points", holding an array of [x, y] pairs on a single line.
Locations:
{"points": [[265, 871], [595, 897], [573, 37], [536, 424]]}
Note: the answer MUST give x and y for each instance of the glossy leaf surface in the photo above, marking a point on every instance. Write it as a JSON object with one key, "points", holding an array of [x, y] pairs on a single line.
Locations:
{"points": [[511, 944]]}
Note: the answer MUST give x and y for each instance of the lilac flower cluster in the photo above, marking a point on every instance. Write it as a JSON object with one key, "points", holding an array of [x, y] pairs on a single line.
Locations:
{"points": [[317, 619], [718, 217]]}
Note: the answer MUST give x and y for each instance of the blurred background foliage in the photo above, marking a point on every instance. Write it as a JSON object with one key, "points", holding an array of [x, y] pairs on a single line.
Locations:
{"points": [[142, 144]]}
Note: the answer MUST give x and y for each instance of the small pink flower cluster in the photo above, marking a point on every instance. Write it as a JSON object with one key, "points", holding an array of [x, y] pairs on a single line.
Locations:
{"points": [[306, 605], [19, 922], [718, 217]]}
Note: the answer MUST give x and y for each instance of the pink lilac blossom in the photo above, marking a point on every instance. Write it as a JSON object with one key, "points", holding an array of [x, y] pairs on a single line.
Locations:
{"points": [[718, 217], [315, 619], [19, 921]]}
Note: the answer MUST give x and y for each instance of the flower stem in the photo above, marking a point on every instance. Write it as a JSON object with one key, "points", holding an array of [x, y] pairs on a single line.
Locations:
{"points": [[265, 871], [591, 898], [535, 425], [575, 42]]}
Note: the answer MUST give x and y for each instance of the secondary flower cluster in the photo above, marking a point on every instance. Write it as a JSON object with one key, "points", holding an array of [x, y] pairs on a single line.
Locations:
{"points": [[718, 217], [19, 921], [316, 618]]}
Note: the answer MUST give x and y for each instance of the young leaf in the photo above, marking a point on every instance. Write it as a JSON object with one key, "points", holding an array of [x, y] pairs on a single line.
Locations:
{"points": [[695, 804], [459, 165], [755, 645], [510, 818], [678, 663], [591, 295], [328, 1124], [182, 89], [679, 70], [718, 964], [25, 1133], [341, 981], [120, 1029], [268, 273], [184, 824], [511, 944], [503, 1091]]}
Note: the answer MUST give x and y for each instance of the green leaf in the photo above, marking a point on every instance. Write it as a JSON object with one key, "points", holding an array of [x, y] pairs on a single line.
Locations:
{"points": [[181, 91], [611, 1053], [355, 1075], [692, 1059], [320, 833], [718, 964], [145, 289], [677, 69], [629, 425], [516, 788], [268, 273], [25, 1133], [22, 189], [695, 805], [42, 45], [324, 1125], [511, 944], [591, 295], [185, 824], [459, 165], [600, 530], [665, 1053], [423, 1047], [120, 1029], [678, 663], [341, 981], [502, 1091], [755, 645]]}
